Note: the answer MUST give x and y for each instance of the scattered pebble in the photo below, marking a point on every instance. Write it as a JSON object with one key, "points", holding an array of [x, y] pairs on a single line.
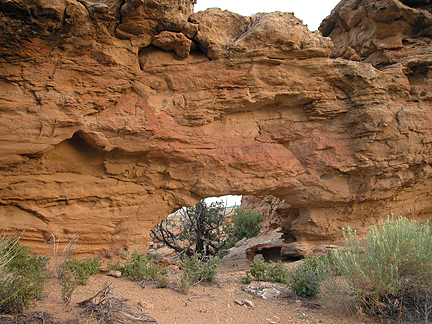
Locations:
{"points": [[146, 305], [248, 302], [244, 302], [113, 273], [270, 321]]}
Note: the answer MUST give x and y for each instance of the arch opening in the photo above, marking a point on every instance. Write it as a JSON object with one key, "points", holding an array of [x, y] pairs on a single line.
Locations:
{"points": [[274, 254], [203, 228]]}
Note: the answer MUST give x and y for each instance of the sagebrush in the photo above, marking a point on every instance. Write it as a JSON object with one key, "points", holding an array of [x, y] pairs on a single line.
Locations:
{"points": [[391, 272], [23, 275]]}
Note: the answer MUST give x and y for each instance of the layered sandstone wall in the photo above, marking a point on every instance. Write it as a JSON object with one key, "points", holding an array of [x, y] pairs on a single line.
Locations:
{"points": [[115, 113]]}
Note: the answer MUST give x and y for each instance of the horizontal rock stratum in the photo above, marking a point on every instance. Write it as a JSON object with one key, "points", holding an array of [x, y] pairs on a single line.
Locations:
{"points": [[116, 113]]}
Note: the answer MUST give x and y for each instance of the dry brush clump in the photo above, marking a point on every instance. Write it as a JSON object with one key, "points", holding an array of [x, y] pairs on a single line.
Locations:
{"points": [[33, 318], [390, 273], [106, 308]]}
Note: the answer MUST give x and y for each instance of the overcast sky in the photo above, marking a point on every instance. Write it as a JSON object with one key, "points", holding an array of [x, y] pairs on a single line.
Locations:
{"points": [[312, 12]]}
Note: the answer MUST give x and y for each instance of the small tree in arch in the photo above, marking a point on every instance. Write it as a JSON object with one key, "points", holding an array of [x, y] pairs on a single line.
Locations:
{"points": [[200, 229], [244, 224]]}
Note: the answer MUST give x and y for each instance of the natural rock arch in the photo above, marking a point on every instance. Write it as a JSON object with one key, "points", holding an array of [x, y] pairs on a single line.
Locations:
{"points": [[104, 135]]}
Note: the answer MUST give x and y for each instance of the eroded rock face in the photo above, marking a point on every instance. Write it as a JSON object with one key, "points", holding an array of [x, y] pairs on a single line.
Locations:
{"points": [[104, 133], [382, 32]]}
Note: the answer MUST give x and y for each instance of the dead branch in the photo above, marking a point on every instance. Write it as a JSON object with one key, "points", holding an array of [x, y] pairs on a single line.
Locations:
{"points": [[109, 310]]}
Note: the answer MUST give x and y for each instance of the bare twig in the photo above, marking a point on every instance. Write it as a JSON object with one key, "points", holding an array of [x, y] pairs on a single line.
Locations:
{"points": [[60, 262]]}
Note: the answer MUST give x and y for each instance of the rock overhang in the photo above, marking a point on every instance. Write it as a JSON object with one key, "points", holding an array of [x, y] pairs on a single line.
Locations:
{"points": [[104, 133]]}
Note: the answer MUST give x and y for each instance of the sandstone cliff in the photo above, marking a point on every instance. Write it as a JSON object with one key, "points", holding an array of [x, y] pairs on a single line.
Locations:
{"points": [[116, 113]]}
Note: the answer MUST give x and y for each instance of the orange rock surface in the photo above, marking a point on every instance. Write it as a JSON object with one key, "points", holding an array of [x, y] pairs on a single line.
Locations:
{"points": [[116, 113]]}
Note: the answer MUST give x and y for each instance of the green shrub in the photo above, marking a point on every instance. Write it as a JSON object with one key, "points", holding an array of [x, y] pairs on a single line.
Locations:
{"points": [[154, 256], [244, 223], [75, 272], [306, 279], [267, 271], [197, 268], [138, 267], [83, 269], [391, 273], [115, 267], [23, 275], [68, 285]]}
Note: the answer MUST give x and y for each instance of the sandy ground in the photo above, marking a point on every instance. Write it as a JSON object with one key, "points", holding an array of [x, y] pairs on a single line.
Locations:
{"points": [[207, 303]]}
